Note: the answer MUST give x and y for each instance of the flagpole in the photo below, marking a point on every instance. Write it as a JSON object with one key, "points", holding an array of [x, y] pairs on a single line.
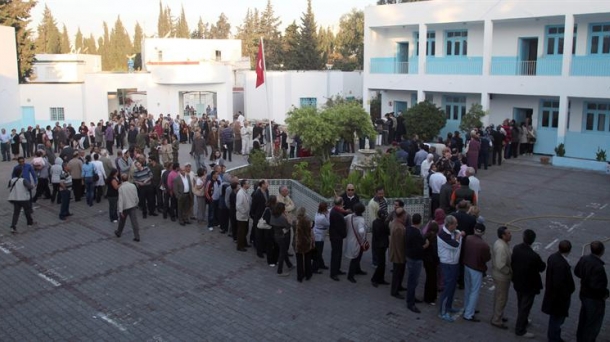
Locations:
{"points": [[269, 116]]}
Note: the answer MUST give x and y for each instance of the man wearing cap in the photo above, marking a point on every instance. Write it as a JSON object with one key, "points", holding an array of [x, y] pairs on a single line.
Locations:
{"points": [[476, 255]]}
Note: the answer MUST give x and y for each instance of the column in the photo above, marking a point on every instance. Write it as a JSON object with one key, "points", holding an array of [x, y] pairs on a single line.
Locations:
{"points": [[562, 126], [423, 42], [485, 101], [421, 96], [568, 42], [488, 32]]}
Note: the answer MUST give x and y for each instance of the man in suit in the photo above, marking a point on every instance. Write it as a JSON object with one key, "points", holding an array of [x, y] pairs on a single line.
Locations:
{"points": [[127, 206], [350, 197], [527, 266], [184, 196], [337, 231], [559, 289]]}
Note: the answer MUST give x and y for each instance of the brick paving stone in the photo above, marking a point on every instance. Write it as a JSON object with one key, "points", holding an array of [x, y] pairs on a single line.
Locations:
{"points": [[186, 283]]}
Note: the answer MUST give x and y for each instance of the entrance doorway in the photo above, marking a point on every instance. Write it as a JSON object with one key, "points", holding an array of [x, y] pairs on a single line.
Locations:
{"points": [[402, 58], [522, 115], [528, 56], [129, 100], [200, 102]]}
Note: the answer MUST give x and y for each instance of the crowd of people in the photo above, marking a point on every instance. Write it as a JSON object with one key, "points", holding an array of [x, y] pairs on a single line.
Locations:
{"points": [[450, 248]]}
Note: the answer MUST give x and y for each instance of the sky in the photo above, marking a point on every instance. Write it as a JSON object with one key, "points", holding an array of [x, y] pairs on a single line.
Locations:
{"points": [[90, 14]]}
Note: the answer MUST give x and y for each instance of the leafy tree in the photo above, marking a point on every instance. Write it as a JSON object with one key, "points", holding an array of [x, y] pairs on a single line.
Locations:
{"points": [[202, 31], [49, 38], [290, 47], [16, 13], [182, 27], [222, 28], [309, 54], [472, 119], [319, 130], [425, 119], [350, 40], [79, 41], [65, 41]]}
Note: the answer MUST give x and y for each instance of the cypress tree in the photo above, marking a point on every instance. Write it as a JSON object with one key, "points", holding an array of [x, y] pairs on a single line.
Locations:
{"points": [[182, 27], [79, 41], [309, 54], [222, 28], [16, 13], [65, 41], [290, 47], [49, 38]]}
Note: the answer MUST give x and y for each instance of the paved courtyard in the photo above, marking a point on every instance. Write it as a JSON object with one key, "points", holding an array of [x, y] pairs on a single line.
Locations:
{"points": [[75, 281]]}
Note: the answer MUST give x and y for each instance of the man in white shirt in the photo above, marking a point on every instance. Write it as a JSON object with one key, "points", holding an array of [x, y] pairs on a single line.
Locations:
{"points": [[435, 182], [475, 184], [242, 206], [5, 144]]}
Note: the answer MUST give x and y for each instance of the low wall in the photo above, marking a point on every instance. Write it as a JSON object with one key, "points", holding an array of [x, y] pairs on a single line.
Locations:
{"points": [[585, 164]]}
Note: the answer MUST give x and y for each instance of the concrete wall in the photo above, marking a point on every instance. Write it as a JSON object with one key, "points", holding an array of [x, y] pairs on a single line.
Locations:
{"points": [[178, 49], [287, 87], [9, 79], [66, 68]]}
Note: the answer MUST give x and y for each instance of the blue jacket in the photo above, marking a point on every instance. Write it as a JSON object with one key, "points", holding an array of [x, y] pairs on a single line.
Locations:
{"points": [[27, 173]]}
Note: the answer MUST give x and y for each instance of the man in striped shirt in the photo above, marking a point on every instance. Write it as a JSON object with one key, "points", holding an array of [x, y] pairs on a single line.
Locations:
{"points": [[142, 178]]}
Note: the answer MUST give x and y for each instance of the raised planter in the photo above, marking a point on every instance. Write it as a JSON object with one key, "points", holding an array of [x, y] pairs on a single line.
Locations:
{"points": [[584, 164]]}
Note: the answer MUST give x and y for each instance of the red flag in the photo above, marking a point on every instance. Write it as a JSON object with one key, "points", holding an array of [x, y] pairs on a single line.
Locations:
{"points": [[260, 66]]}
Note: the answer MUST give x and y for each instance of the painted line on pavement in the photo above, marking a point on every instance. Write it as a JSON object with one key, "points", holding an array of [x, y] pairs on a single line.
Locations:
{"points": [[111, 322], [551, 244]]}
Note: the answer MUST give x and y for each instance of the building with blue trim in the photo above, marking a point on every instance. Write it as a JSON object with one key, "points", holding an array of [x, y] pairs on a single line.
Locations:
{"points": [[544, 61]]}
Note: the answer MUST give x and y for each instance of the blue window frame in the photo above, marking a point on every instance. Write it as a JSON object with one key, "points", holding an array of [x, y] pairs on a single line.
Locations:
{"points": [[597, 116], [455, 107], [554, 40], [430, 43], [456, 43], [308, 102], [599, 41], [549, 111]]}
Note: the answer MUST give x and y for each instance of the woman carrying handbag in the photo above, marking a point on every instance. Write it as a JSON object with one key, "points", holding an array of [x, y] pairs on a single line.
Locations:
{"points": [[355, 242]]}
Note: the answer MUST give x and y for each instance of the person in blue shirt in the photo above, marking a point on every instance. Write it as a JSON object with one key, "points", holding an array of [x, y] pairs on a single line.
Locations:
{"points": [[27, 169]]}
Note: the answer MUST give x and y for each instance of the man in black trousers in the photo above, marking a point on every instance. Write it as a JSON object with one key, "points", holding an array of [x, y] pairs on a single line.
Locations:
{"points": [[527, 266], [337, 232]]}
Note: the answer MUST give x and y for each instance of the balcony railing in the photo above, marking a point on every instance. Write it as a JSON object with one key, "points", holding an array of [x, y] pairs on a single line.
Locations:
{"points": [[590, 66], [454, 65], [511, 66], [388, 65]]}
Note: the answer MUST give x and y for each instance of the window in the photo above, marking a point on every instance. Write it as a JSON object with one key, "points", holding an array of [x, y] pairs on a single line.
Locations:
{"points": [[160, 56], [554, 40], [597, 116], [430, 43], [550, 114], [218, 55], [455, 107], [57, 114], [457, 43], [308, 102], [600, 39]]}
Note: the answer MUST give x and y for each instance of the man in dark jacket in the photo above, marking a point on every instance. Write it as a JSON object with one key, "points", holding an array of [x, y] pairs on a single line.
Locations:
{"points": [[257, 208], [337, 231], [350, 197], [559, 289], [414, 251], [527, 266], [476, 254], [593, 293]]}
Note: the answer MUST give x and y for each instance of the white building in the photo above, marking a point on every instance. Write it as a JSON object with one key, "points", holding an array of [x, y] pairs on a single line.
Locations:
{"points": [[176, 73], [506, 55]]}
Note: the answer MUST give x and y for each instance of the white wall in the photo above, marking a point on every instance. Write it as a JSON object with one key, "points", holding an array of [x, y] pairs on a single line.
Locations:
{"points": [[160, 99], [64, 68], [178, 49], [9, 80], [287, 87], [44, 96]]}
